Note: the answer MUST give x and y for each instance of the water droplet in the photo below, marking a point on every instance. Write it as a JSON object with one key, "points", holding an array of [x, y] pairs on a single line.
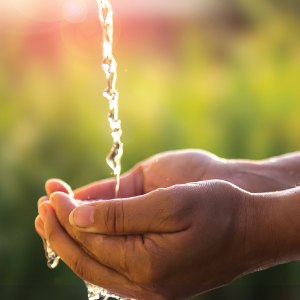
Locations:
{"points": [[51, 257]]}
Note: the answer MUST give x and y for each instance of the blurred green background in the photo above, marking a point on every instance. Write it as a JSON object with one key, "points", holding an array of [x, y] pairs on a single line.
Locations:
{"points": [[221, 77]]}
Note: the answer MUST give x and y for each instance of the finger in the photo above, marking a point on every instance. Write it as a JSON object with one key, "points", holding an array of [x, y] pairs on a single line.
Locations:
{"points": [[57, 185], [100, 246], [42, 200], [159, 211], [131, 184], [42, 210], [81, 264], [39, 227]]}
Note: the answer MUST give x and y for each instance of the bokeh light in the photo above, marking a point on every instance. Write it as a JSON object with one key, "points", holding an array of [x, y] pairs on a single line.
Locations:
{"points": [[217, 75], [75, 11]]}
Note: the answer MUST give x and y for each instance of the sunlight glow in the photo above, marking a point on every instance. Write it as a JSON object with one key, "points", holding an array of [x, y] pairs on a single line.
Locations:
{"points": [[75, 11]]}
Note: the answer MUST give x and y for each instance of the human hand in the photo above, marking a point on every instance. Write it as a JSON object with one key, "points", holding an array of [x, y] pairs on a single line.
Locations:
{"points": [[176, 242], [183, 166], [161, 249], [205, 166]]}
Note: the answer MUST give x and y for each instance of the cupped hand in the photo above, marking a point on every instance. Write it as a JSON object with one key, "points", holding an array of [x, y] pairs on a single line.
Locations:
{"points": [[184, 166], [162, 170], [159, 259], [173, 242], [170, 243]]}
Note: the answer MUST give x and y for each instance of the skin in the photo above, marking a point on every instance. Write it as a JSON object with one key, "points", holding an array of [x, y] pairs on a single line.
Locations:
{"points": [[176, 231]]}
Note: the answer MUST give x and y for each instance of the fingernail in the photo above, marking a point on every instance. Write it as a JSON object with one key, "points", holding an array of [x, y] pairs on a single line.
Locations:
{"points": [[43, 212], [82, 216]]}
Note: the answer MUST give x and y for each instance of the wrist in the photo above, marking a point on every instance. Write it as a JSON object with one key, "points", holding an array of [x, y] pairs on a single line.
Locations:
{"points": [[272, 229], [257, 176]]}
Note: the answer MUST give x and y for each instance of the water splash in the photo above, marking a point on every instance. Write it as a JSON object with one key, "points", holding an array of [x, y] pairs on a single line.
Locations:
{"points": [[95, 292]]}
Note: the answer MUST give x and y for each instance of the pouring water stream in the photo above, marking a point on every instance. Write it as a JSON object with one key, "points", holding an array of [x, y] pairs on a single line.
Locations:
{"points": [[113, 159]]}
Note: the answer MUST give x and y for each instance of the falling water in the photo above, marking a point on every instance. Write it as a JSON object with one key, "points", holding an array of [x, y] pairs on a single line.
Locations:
{"points": [[113, 159], [109, 66]]}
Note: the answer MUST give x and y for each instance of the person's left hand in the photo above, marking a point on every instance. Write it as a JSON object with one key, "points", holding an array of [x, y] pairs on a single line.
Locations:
{"points": [[171, 243]]}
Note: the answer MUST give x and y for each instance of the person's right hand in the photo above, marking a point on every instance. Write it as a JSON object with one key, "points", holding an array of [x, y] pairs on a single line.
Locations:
{"points": [[184, 166]]}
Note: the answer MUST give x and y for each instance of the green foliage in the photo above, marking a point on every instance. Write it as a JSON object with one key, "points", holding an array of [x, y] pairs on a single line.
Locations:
{"points": [[238, 97]]}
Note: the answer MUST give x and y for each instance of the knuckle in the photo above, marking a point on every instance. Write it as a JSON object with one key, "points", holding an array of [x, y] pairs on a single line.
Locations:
{"points": [[219, 190], [178, 206], [221, 186], [167, 197], [114, 217]]}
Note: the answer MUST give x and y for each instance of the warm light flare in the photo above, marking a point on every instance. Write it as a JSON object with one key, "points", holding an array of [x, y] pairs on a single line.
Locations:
{"points": [[75, 11], [46, 11]]}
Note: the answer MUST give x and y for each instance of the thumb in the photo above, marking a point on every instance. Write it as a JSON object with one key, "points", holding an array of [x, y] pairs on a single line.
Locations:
{"points": [[155, 212]]}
